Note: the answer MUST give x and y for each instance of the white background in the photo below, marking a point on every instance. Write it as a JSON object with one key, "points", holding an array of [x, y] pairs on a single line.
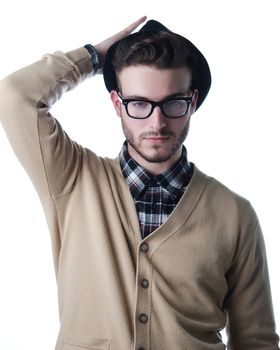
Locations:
{"points": [[234, 136]]}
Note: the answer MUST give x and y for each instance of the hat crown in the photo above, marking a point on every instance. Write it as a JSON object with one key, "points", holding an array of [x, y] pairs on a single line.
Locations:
{"points": [[154, 26]]}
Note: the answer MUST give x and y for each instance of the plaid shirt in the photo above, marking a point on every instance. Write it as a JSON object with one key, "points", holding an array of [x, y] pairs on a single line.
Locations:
{"points": [[155, 196]]}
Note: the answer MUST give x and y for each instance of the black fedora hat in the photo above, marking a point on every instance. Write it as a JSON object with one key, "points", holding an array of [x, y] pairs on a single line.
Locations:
{"points": [[203, 75]]}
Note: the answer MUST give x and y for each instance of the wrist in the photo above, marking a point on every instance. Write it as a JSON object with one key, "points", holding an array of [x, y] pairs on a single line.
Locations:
{"points": [[94, 56]]}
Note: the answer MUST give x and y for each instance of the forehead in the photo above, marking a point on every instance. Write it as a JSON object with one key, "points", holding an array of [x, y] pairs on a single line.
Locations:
{"points": [[152, 82]]}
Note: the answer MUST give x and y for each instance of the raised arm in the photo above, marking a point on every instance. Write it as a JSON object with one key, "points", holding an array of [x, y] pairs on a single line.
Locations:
{"points": [[48, 155]]}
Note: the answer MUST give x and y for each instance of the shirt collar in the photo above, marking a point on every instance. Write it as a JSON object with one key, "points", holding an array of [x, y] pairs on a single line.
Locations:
{"points": [[174, 180]]}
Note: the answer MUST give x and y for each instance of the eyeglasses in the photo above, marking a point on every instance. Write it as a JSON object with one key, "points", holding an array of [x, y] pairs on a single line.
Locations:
{"points": [[171, 108]]}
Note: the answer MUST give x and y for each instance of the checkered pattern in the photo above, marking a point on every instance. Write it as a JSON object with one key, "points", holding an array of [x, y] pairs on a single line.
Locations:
{"points": [[155, 197]]}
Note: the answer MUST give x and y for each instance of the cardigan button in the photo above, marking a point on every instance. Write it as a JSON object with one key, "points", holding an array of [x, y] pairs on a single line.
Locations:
{"points": [[145, 283], [144, 247], [143, 318]]}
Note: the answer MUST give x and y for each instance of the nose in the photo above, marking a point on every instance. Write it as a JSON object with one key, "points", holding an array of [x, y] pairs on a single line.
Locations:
{"points": [[157, 120]]}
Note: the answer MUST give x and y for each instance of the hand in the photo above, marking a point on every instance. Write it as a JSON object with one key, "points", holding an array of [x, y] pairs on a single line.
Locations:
{"points": [[104, 45]]}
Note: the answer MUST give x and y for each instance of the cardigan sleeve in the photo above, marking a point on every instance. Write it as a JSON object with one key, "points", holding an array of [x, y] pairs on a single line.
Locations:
{"points": [[250, 319], [50, 157]]}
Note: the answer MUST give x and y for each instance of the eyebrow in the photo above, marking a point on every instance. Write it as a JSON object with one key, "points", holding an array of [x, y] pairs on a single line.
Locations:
{"points": [[138, 97]]}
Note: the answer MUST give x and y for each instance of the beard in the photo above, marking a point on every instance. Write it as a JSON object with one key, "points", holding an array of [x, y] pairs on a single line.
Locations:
{"points": [[157, 157]]}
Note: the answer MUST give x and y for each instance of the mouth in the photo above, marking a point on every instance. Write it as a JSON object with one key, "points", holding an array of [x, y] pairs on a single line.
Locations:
{"points": [[157, 139]]}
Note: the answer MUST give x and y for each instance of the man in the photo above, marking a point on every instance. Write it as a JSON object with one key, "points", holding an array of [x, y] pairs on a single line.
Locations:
{"points": [[150, 253]]}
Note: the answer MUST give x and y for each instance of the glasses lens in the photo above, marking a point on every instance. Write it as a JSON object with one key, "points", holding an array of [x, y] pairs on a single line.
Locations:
{"points": [[139, 109], [175, 108]]}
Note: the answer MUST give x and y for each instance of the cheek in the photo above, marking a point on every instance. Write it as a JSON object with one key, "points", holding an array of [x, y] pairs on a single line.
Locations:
{"points": [[134, 125], [131, 125], [177, 125]]}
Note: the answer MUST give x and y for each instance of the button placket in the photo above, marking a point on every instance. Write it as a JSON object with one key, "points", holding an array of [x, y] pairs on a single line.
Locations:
{"points": [[142, 311]]}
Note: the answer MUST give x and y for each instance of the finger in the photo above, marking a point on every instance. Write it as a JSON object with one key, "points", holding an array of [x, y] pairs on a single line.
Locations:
{"points": [[104, 45], [133, 26], [125, 32]]}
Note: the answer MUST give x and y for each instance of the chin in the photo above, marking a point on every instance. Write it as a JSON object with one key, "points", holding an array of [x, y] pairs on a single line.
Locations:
{"points": [[156, 156], [153, 153]]}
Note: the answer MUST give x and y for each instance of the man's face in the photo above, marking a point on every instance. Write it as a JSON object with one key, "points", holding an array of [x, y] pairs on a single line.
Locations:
{"points": [[154, 142]]}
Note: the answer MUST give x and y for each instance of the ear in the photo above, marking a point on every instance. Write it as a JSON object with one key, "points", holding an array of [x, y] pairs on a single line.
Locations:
{"points": [[194, 101], [116, 102]]}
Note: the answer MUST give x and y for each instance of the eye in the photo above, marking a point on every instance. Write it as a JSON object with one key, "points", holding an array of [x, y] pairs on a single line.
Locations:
{"points": [[175, 103], [140, 104]]}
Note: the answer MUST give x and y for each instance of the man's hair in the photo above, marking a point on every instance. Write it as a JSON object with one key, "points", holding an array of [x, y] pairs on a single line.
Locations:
{"points": [[160, 49]]}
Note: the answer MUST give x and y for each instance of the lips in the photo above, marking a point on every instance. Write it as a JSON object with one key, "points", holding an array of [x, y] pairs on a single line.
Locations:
{"points": [[157, 139]]}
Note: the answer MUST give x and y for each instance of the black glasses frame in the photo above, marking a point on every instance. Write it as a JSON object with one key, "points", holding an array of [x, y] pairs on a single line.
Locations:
{"points": [[160, 104]]}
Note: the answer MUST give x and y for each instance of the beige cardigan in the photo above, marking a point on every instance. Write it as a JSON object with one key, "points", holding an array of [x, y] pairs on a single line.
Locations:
{"points": [[205, 267]]}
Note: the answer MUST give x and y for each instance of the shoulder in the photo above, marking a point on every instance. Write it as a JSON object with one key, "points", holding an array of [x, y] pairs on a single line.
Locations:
{"points": [[229, 214], [221, 199], [102, 168]]}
